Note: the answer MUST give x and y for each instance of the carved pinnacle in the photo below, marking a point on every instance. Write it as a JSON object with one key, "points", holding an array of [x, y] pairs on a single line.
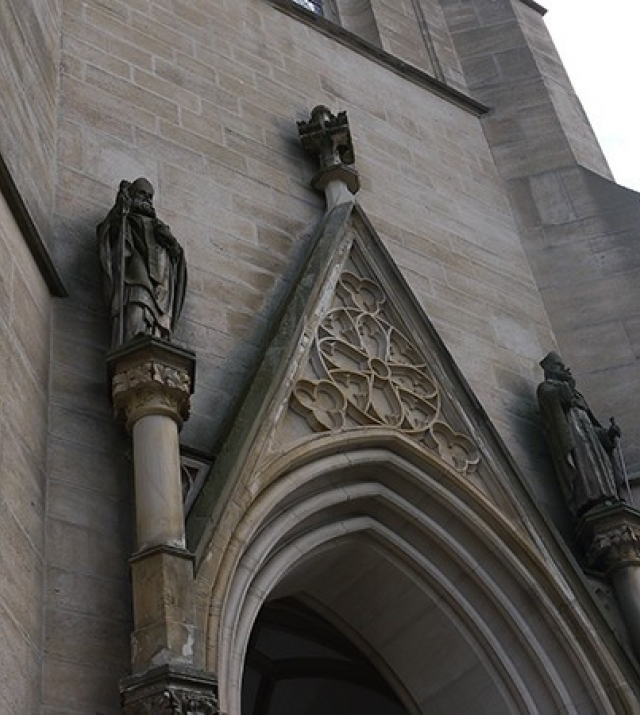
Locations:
{"points": [[327, 137]]}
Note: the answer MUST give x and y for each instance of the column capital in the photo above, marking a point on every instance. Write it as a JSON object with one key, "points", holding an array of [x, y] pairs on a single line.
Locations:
{"points": [[149, 376], [609, 537], [170, 690]]}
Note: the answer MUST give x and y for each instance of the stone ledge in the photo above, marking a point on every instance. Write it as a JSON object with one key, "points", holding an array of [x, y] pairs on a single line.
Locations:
{"points": [[32, 238], [164, 549], [535, 6]]}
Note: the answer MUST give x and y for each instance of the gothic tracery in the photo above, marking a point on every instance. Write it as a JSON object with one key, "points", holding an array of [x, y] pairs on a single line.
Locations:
{"points": [[367, 372]]}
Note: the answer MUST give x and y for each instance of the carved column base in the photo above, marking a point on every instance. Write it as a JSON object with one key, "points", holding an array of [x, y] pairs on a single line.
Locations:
{"points": [[170, 690], [609, 539]]}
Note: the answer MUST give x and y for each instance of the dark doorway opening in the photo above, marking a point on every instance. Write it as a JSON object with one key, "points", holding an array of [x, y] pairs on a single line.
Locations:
{"points": [[299, 664]]}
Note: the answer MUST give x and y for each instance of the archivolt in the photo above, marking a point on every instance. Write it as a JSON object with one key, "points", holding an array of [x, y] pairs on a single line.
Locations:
{"points": [[430, 522]]}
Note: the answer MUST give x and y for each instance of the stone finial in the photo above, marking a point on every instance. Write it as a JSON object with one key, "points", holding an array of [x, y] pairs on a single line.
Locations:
{"points": [[327, 137]]}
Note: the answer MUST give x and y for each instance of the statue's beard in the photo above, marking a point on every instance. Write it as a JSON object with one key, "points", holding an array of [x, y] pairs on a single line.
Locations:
{"points": [[144, 208], [561, 376]]}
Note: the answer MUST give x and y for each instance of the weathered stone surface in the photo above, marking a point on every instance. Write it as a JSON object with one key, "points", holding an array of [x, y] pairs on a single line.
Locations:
{"points": [[203, 98], [170, 690], [584, 452], [24, 355], [579, 228], [609, 540], [163, 605], [28, 115], [144, 271]]}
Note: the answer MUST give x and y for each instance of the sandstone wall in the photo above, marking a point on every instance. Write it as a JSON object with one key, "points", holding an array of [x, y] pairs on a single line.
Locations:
{"points": [[204, 102], [581, 231], [203, 99], [24, 356], [30, 41]]}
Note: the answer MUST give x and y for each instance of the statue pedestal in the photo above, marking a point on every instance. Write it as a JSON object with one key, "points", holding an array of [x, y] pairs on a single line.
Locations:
{"points": [[151, 385], [609, 538]]}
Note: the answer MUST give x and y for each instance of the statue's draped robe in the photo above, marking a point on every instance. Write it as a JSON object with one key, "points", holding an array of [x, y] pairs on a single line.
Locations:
{"points": [[585, 469], [152, 279]]}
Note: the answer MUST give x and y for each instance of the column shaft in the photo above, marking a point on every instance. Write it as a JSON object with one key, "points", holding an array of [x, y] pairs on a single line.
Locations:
{"points": [[609, 538], [159, 512], [626, 582]]}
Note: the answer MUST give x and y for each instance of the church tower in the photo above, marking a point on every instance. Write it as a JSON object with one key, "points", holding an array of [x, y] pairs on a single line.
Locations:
{"points": [[270, 437]]}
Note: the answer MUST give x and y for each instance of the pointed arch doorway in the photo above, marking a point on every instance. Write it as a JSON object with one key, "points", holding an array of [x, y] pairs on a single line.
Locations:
{"points": [[350, 630], [415, 568], [298, 662]]}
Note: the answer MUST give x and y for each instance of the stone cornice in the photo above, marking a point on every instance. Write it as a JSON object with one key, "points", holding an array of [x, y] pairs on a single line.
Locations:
{"points": [[32, 237], [535, 6], [377, 54]]}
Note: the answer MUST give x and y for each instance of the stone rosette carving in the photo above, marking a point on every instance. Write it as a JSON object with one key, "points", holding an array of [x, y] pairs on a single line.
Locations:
{"points": [[367, 372]]}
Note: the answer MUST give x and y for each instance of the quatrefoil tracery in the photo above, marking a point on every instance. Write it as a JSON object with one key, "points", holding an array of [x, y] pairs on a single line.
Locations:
{"points": [[370, 373]]}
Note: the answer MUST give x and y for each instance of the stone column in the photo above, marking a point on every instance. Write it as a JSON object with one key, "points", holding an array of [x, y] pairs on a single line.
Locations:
{"points": [[609, 538], [151, 385]]}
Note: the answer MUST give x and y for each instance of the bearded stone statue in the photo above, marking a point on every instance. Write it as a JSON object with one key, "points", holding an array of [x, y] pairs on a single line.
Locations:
{"points": [[583, 451], [145, 274]]}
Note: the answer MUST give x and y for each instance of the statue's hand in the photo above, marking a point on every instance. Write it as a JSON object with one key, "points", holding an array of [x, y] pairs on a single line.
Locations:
{"points": [[163, 233], [166, 239], [614, 432], [124, 197]]}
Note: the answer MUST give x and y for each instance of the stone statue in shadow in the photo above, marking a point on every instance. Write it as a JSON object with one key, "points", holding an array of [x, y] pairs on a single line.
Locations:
{"points": [[144, 269], [583, 452]]}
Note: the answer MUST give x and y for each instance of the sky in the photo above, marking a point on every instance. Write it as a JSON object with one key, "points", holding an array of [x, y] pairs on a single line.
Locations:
{"points": [[599, 43]]}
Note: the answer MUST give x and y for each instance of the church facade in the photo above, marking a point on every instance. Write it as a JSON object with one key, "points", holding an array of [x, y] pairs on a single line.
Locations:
{"points": [[269, 437]]}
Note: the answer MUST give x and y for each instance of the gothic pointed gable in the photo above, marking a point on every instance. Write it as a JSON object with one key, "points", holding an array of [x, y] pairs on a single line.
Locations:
{"points": [[367, 366], [359, 436], [354, 357]]}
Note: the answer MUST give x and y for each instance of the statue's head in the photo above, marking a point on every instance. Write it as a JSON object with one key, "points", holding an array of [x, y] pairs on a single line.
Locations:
{"points": [[555, 369], [141, 192]]}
